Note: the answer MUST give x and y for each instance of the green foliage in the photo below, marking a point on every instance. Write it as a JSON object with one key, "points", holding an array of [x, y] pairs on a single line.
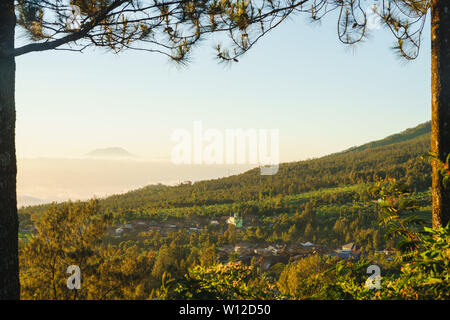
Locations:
{"points": [[72, 235], [442, 168], [304, 279], [424, 276], [427, 274], [396, 217], [223, 282], [422, 268]]}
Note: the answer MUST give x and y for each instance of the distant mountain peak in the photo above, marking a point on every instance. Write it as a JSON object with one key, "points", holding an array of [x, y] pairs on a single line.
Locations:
{"points": [[110, 153]]}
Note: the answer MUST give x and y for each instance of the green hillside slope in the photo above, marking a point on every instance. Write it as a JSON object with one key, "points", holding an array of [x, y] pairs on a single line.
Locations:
{"points": [[398, 156], [421, 130]]}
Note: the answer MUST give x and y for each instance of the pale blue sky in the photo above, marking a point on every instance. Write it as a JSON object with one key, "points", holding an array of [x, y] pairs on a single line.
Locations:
{"points": [[320, 94]]}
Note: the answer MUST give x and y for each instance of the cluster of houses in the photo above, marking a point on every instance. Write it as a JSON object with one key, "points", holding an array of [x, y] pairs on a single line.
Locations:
{"points": [[348, 251], [352, 251], [163, 227], [268, 254], [167, 226]]}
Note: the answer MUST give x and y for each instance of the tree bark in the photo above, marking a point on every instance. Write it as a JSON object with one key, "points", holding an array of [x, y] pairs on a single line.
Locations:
{"points": [[9, 264], [440, 95]]}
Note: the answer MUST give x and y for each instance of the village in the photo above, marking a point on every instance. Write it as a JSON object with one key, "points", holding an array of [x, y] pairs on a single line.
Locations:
{"points": [[266, 254]]}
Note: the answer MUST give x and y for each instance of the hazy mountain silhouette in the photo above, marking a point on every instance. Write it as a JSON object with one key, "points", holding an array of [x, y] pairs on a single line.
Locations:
{"points": [[23, 200], [110, 153]]}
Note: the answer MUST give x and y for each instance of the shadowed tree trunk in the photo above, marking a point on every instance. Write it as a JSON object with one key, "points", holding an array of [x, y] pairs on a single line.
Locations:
{"points": [[9, 266], [440, 89]]}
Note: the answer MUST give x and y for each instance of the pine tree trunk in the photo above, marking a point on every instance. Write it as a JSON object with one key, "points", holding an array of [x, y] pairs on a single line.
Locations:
{"points": [[440, 90], [9, 265]]}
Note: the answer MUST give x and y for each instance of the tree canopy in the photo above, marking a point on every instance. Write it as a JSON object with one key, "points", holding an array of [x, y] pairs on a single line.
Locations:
{"points": [[174, 27]]}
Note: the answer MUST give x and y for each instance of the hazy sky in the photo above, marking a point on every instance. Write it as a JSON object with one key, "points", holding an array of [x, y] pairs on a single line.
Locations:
{"points": [[320, 94]]}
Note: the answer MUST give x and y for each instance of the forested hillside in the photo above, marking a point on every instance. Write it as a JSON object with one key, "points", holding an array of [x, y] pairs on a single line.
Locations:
{"points": [[408, 134], [398, 156]]}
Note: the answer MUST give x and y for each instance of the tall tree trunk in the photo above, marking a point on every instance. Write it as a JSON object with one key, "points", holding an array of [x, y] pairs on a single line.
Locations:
{"points": [[440, 92], [9, 264]]}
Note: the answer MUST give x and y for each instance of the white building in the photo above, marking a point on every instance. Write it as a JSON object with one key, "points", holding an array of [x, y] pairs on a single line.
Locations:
{"points": [[119, 232]]}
